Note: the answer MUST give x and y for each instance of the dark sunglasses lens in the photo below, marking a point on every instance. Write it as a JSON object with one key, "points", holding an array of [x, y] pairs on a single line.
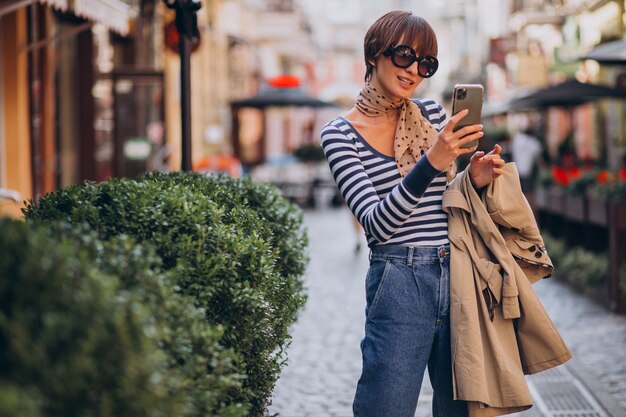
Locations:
{"points": [[403, 57], [428, 66]]}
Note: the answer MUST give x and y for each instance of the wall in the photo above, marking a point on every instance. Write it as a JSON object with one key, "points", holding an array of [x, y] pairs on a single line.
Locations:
{"points": [[15, 131]]}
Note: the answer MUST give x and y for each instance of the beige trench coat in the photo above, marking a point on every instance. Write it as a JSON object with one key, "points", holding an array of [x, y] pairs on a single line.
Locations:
{"points": [[499, 328]]}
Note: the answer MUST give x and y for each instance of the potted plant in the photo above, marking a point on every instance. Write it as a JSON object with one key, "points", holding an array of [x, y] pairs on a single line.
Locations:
{"points": [[575, 202], [607, 199], [561, 178], [607, 207]]}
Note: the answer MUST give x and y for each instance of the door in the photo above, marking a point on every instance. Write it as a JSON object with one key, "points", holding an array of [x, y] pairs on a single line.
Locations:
{"points": [[139, 122]]}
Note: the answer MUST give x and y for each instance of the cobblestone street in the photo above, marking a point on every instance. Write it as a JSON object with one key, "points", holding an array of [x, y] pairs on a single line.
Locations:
{"points": [[324, 358]]}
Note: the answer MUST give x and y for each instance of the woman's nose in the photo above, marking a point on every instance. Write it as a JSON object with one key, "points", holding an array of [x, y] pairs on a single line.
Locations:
{"points": [[413, 68]]}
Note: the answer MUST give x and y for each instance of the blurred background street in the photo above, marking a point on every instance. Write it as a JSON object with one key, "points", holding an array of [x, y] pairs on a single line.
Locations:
{"points": [[94, 89]]}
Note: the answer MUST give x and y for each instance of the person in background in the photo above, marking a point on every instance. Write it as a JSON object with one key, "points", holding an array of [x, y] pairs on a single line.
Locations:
{"points": [[525, 149], [392, 158]]}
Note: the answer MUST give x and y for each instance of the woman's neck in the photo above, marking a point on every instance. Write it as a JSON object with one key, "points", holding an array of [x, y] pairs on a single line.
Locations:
{"points": [[390, 116]]}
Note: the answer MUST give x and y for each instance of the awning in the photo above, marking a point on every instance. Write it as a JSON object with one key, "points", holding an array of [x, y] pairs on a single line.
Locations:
{"points": [[281, 97], [610, 53], [56, 4], [114, 14], [491, 108], [10, 6], [567, 94]]}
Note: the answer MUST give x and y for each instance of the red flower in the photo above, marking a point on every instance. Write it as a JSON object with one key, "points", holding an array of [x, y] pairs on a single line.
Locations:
{"points": [[622, 174], [560, 176], [574, 173], [602, 177]]}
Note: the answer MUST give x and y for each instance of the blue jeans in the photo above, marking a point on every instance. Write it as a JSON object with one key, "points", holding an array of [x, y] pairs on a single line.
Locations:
{"points": [[407, 329]]}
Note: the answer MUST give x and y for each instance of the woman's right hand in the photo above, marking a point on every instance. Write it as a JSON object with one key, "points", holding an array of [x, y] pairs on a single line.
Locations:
{"points": [[449, 144]]}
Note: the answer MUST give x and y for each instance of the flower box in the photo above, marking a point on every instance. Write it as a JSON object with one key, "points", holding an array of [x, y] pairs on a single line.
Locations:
{"points": [[606, 213], [597, 210], [617, 215], [555, 200], [576, 208]]}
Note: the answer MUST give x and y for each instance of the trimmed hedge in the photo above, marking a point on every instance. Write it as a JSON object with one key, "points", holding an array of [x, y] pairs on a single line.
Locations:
{"points": [[236, 247], [202, 378], [72, 342]]}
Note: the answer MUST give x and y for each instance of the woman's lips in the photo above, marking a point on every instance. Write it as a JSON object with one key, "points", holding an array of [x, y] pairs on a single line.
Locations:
{"points": [[406, 81]]}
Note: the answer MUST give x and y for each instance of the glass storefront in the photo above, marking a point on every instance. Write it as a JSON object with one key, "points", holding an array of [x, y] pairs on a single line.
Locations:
{"points": [[109, 114], [67, 109], [139, 128]]}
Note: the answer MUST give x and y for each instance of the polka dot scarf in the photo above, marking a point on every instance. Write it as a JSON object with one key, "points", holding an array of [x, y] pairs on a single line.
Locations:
{"points": [[414, 133]]}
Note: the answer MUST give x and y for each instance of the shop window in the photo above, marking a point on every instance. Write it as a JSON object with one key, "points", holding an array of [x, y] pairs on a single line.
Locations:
{"points": [[139, 140]]}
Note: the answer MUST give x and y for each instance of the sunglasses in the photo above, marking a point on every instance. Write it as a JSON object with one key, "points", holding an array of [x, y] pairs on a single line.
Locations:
{"points": [[404, 56]]}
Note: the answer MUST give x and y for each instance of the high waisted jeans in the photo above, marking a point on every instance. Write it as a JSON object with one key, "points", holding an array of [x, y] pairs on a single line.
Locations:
{"points": [[407, 328]]}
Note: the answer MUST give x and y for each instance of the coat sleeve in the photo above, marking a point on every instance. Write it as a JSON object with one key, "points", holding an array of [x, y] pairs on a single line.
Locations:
{"points": [[509, 209]]}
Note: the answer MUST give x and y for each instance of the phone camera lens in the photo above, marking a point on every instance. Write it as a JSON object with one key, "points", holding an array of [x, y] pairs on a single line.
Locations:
{"points": [[461, 93]]}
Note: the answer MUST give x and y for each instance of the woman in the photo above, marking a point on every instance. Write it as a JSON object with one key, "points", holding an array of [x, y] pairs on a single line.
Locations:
{"points": [[391, 158]]}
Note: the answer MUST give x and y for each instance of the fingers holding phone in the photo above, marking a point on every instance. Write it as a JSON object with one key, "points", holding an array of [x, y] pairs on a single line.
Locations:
{"points": [[466, 134], [463, 131], [467, 99], [453, 142]]}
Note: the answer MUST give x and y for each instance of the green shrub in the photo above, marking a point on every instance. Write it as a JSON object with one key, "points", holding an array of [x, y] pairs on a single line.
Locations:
{"points": [[72, 341], [544, 177], [576, 264], [585, 267], [18, 401], [557, 248], [579, 186], [235, 246], [190, 346], [613, 191]]}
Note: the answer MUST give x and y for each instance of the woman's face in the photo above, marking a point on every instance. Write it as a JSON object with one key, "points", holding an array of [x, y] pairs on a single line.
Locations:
{"points": [[395, 82]]}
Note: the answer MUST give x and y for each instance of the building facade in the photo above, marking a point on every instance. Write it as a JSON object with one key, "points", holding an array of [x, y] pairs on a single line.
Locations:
{"points": [[68, 78]]}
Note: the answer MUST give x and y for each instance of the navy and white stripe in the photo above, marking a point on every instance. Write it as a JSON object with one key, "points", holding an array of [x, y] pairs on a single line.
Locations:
{"points": [[392, 210]]}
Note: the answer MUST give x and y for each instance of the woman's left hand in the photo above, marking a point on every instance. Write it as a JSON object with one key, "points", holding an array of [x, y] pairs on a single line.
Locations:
{"points": [[483, 169]]}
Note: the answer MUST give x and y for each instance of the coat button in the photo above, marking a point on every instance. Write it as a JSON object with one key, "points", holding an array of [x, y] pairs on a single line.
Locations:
{"points": [[538, 254], [532, 248]]}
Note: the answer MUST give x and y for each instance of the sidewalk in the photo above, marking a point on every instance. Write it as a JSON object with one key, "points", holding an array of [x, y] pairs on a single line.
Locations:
{"points": [[324, 358]]}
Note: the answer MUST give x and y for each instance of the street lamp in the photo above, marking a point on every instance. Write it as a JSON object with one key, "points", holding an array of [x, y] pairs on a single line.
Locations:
{"points": [[187, 27]]}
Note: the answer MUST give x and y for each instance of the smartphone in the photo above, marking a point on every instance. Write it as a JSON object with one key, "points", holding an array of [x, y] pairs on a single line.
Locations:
{"points": [[468, 96]]}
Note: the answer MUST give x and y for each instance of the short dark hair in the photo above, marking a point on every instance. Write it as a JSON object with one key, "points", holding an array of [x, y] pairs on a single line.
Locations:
{"points": [[394, 27]]}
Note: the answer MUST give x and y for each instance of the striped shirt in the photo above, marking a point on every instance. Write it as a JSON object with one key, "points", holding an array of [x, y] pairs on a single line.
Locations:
{"points": [[392, 210]]}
